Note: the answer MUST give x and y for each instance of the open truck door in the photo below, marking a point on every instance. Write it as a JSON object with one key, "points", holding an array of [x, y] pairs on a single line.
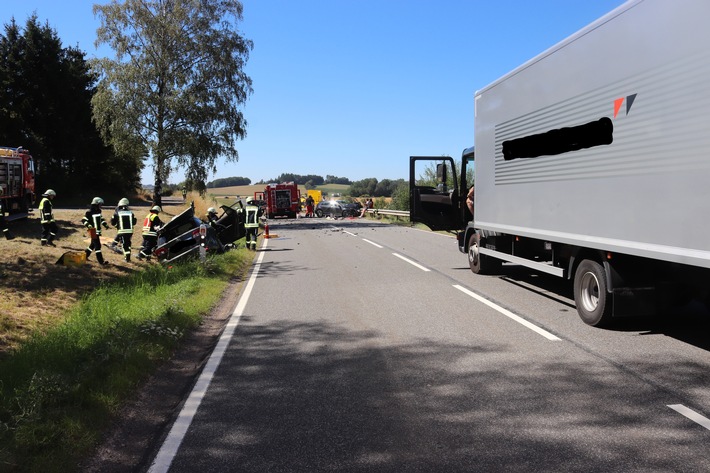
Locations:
{"points": [[434, 196]]}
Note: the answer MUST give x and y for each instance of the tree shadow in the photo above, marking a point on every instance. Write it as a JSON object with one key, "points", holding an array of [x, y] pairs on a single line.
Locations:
{"points": [[308, 397]]}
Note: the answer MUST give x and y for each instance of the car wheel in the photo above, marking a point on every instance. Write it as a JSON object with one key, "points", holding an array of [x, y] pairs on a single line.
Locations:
{"points": [[319, 213]]}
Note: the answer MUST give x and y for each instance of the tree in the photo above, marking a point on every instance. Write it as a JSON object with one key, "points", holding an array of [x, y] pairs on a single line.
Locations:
{"points": [[45, 106], [177, 83]]}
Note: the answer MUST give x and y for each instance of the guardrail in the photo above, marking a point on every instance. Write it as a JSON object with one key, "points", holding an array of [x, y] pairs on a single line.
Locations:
{"points": [[394, 213]]}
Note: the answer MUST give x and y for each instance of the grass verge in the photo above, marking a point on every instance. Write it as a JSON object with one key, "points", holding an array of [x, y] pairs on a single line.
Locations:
{"points": [[59, 389]]}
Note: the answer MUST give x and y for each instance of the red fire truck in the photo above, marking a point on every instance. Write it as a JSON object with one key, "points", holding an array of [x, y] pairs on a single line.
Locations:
{"points": [[17, 179], [281, 200]]}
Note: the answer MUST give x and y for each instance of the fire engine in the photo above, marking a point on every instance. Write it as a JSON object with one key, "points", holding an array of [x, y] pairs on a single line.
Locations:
{"points": [[17, 179], [281, 200]]}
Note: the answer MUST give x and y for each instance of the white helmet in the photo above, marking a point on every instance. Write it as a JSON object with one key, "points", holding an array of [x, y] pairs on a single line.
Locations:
{"points": [[97, 201], [250, 200], [123, 202], [50, 193], [211, 210], [156, 208]]}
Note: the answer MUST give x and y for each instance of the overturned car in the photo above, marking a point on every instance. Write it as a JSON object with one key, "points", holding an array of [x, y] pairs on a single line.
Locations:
{"points": [[186, 235]]}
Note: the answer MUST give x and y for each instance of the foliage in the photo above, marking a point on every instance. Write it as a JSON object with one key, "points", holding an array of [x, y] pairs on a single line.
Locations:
{"points": [[45, 106], [298, 179], [177, 83], [374, 188], [229, 182], [428, 175], [400, 197], [337, 180]]}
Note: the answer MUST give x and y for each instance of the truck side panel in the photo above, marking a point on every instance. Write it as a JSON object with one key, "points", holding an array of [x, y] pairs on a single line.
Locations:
{"points": [[602, 141]]}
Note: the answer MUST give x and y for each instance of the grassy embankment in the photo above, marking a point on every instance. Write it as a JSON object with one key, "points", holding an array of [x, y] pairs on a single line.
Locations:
{"points": [[62, 379]]}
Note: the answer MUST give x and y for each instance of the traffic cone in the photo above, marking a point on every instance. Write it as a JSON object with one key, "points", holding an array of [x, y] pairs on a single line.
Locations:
{"points": [[266, 230]]}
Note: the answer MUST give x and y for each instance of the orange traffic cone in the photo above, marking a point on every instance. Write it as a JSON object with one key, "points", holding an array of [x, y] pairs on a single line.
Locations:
{"points": [[266, 230]]}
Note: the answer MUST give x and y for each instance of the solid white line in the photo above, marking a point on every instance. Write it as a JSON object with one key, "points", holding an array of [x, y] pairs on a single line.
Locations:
{"points": [[508, 314], [411, 262], [372, 243], [170, 446], [691, 414]]}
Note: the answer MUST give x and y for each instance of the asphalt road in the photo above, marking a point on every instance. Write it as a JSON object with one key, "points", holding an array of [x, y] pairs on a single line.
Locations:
{"points": [[360, 347]]}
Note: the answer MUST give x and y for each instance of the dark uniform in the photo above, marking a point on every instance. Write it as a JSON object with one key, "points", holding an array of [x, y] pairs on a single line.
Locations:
{"points": [[46, 215], [251, 224], [93, 221], [151, 223], [124, 220]]}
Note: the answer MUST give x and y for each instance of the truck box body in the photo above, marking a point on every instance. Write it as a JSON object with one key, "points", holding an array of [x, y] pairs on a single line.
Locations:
{"points": [[607, 137], [592, 163]]}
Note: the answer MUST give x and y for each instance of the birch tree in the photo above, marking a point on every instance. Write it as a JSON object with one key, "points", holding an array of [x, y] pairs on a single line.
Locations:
{"points": [[176, 85]]}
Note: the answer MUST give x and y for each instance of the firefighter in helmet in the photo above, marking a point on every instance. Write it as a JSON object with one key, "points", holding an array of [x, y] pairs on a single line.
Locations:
{"points": [[251, 224], [3, 223], [46, 215], [93, 220], [124, 220], [151, 225]]}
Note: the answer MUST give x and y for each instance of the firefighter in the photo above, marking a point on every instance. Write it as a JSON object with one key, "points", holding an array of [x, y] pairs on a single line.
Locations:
{"points": [[151, 225], [251, 223], [46, 215], [124, 220], [3, 223], [93, 221], [184, 194]]}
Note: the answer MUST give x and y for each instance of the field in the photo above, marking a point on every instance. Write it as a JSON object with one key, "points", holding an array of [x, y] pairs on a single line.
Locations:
{"points": [[227, 195], [36, 291]]}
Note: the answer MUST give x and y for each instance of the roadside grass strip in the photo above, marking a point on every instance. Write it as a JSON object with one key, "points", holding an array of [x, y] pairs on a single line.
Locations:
{"points": [[509, 314]]}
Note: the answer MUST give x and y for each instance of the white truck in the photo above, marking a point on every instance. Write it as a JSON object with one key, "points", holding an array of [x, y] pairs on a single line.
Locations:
{"points": [[592, 163]]}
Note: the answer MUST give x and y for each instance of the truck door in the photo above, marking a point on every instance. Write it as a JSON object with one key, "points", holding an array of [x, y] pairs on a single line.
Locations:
{"points": [[434, 198]]}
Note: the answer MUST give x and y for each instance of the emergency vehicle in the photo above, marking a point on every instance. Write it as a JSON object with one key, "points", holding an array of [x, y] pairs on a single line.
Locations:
{"points": [[17, 179], [281, 200]]}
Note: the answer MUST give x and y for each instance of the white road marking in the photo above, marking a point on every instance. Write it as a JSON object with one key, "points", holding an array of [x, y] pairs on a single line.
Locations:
{"points": [[411, 262], [349, 233], [508, 314], [372, 243], [691, 414], [162, 461]]}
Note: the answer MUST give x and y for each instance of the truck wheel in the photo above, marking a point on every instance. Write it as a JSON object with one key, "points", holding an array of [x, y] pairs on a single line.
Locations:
{"points": [[594, 303], [319, 213], [480, 264]]}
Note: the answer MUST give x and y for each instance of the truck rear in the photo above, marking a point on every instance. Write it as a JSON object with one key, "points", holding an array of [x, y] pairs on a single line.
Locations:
{"points": [[591, 163], [17, 179], [282, 200]]}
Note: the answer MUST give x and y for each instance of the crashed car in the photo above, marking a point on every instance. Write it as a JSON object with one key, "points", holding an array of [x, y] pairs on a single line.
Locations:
{"points": [[186, 235], [338, 208]]}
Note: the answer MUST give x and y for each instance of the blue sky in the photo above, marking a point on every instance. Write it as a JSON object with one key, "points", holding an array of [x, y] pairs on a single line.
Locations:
{"points": [[352, 88]]}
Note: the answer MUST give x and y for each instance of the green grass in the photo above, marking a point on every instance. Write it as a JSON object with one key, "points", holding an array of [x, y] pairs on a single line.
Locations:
{"points": [[59, 390]]}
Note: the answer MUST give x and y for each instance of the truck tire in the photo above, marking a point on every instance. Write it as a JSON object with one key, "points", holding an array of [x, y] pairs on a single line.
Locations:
{"points": [[481, 264], [319, 213], [594, 303]]}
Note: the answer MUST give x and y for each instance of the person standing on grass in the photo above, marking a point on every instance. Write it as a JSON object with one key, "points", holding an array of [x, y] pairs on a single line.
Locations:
{"points": [[93, 220], [124, 220], [151, 224], [46, 215]]}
